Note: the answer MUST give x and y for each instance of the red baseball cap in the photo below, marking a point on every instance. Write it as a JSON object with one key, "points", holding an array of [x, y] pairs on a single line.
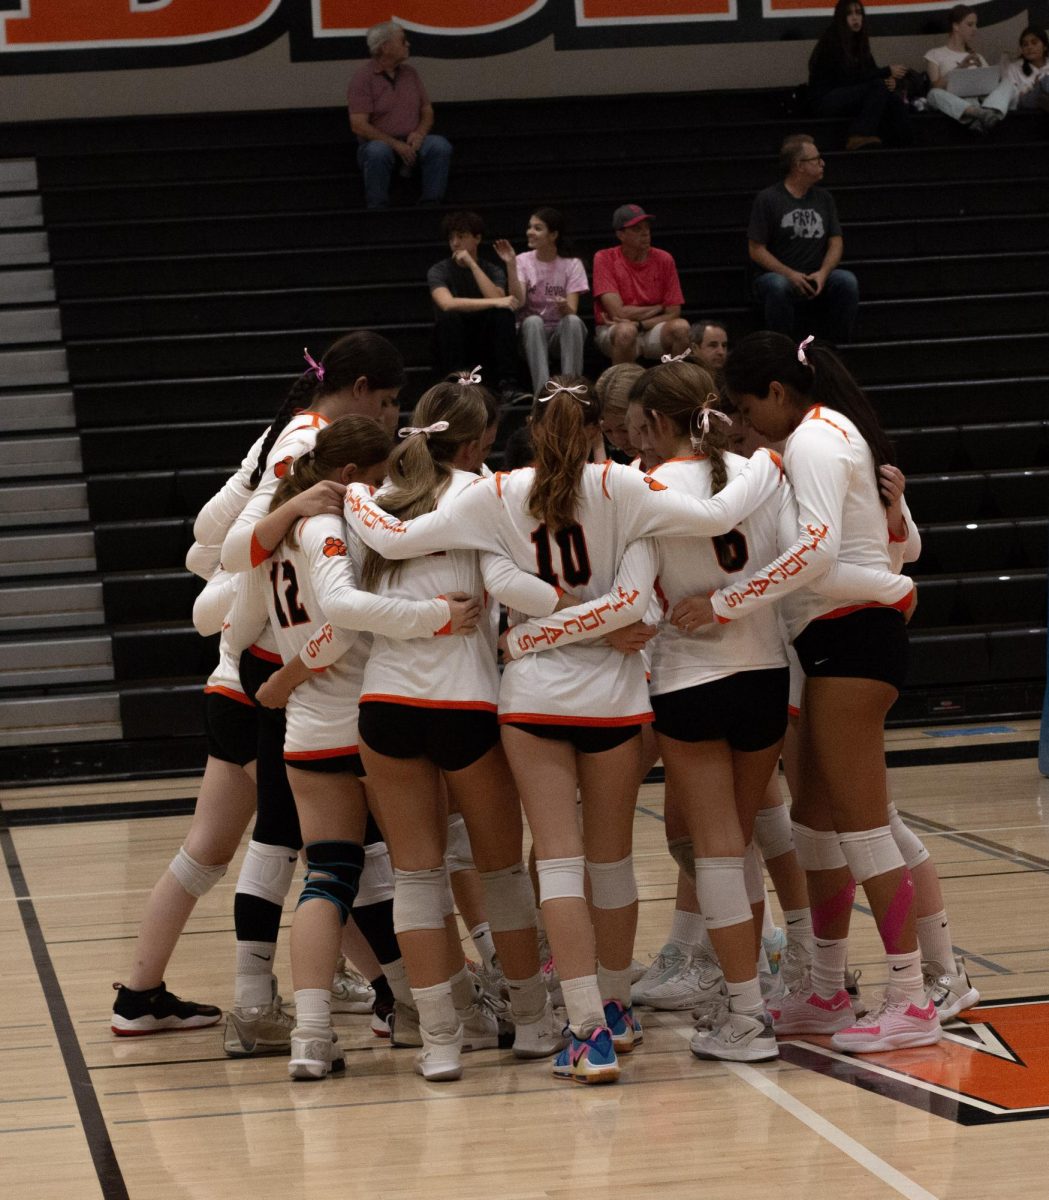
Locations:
{"points": [[629, 214]]}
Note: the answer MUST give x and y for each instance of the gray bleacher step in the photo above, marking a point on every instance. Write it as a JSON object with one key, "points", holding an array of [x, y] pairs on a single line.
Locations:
{"points": [[18, 175], [50, 604], [31, 412], [28, 247], [59, 502], [47, 552], [20, 368], [21, 212], [27, 285], [42, 720], [46, 454], [30, 325], [42, 661]]}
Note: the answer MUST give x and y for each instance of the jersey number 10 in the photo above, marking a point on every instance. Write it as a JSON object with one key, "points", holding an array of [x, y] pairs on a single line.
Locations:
{"points": [[575, 561]]}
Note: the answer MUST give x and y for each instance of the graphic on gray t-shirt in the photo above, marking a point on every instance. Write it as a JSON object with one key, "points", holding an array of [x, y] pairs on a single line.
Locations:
{"points": [[803, 223]]}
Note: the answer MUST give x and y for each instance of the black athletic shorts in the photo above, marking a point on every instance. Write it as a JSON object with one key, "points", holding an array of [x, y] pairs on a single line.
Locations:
{"points": [[232, 728], [748, 710], [337, 764], [870, 643], [451, 738], [586, 739]]}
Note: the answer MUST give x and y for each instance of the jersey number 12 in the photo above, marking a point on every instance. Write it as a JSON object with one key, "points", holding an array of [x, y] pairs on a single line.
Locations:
{"points": [[289, 611]]}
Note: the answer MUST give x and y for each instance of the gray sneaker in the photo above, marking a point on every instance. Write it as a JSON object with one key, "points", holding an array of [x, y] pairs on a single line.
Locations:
{"points": [[404, 1026], [265, 1029], [738, 1038], [951, 994], [350, 991], [315, 1055]]}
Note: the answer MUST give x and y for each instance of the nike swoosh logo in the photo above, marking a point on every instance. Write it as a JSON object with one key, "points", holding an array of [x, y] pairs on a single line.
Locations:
{"points": [[264, 957], [899, 968], [824, 945], [943, 924], [796, 921], [820, 661]]}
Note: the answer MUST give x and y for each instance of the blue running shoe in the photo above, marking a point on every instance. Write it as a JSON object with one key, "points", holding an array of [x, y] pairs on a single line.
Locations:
{"points": [[624, 1026], [588, 1060]]}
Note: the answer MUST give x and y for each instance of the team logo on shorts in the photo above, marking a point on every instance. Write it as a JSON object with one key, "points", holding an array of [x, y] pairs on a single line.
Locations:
{"points": [[333, 547]]}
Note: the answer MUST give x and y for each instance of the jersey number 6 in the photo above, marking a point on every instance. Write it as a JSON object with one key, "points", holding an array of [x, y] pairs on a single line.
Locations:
{"points": [[575, 562], [291, 611]]}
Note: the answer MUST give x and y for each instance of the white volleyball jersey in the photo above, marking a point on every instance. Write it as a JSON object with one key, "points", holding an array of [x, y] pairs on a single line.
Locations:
{"points": [[210, 615], [841, 520]]}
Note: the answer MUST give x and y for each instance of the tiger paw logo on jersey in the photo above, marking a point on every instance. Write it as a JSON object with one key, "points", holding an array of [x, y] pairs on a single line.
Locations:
{"points": [[333, 547], [654, 485], [281, 468]]}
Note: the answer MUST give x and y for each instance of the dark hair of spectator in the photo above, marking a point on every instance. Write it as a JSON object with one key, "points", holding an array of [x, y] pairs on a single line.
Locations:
{"points": [[839, 45], [763, 358], [519, 451], [357, 355], [956, 16], [700, 327], [1042, 36], [791, 150], [554, 220], [562, 434], [462, 222]]}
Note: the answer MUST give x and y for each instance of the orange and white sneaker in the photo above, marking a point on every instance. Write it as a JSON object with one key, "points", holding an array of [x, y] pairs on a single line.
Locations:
{"points": [[896, 1024], [802, 1010]]}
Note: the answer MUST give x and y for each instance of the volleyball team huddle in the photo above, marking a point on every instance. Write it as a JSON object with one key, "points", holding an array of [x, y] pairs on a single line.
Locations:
{"points": [[357, 580]]}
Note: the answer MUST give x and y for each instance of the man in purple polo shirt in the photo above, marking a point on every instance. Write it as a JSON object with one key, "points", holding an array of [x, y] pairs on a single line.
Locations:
{"points": [[392, 116]]}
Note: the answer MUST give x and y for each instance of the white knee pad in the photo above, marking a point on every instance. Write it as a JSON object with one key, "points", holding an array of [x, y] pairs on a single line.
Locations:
{"points": [[377, 877], [772, 831], [818, 849], [722, 892], [267, 871], [910, 844], [419, 899], [508, 898], [560, 878], [612, 885], [196, 878], [754, 875], [871, 852], [682, 853], [459, 856]]}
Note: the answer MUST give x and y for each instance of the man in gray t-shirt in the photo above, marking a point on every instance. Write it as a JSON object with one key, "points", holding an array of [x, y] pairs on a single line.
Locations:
{"points": [[795, 241]]}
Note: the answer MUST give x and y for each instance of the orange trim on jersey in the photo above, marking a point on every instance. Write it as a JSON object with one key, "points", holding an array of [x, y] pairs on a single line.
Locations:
{"points": [[307, 755], [899, 605], [815, 413], [418, 702], [604, 479], [893, 539], [498, 477], [218, 690], [776, 459], [792, 711], [557, 719], [316, 421], [259, 553], [265, 655]]}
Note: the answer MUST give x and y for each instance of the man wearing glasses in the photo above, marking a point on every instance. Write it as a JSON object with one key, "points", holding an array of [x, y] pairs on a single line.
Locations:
{"points": [[795, 242]]}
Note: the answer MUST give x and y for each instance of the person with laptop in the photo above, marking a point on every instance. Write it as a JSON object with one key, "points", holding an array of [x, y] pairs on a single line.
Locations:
{"points": [[962, 85]]}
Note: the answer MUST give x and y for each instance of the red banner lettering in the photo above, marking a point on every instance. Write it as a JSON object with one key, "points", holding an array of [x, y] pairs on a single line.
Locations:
{"points": [[54, 23]]}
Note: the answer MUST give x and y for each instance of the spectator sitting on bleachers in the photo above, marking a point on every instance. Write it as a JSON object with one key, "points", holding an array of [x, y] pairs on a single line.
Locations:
{"points": [[392, 116], [795, 241], [1029, 73], [547, 281], [845, 81], [979, 113], [637, 295], [473, 313], [710, 344]]}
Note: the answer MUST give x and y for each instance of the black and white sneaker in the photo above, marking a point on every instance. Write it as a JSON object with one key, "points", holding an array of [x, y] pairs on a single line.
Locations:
{"points": [[157, 1010]]}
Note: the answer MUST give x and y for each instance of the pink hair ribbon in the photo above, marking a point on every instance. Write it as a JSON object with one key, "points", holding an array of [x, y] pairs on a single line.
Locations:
{"points": [[552, 389], [474, 376], [425, 430], [802, 357], [315, 366], [669, 358]]}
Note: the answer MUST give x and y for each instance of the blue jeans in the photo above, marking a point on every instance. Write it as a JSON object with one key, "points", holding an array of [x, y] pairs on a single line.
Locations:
{"points": [[831, 314], [377, 161]]}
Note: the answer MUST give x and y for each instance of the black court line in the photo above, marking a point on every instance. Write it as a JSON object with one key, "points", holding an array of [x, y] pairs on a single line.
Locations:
{"points": [[110, 1177], [36, 1128]]}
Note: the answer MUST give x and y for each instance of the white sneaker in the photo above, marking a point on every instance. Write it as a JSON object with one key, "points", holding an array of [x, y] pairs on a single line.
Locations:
{"points": [[441, 1056], [804, 1011], [403, 1024], [669, 963], [738, 1038], [485, 1026], [950, 993], [492, 981], [350, 991], [265, 1029], [314, 1054], [637, 970], [896, 1024], [686, 982], [795, 963], [541, 1037]]}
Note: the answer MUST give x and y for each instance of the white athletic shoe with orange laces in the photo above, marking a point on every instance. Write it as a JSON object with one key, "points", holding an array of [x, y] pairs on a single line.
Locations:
{"points": [[896, 1024]]}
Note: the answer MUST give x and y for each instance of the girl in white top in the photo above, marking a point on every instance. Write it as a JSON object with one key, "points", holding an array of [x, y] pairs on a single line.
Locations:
{"points": [[854, 659], [548, 283], [979, 113], [1029, 74]]}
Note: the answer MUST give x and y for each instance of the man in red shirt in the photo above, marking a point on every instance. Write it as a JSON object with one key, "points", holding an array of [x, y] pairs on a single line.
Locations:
{"points": [[637, 296], [392, 116]]}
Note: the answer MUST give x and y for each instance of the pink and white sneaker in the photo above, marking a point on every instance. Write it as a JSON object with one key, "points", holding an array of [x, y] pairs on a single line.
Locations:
{"points": [[896, 1024], [804, 1011]]}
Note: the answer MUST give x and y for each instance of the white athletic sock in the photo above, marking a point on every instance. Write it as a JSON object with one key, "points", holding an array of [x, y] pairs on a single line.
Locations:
{"points": [[527, 998], [905, 973], [482, 939], [745, 997], [614, 985], [583, 1004], [799, 926], [934, 938], [462, 989], [436, 1011], [253, 983], [397, 978], [313, 1009], [687, 931], [828, 966]]}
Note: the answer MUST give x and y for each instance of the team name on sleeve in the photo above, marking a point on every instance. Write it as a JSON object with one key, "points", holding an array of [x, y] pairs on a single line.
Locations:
{"points": [[370, 516], [588, 621], [782, 569]]}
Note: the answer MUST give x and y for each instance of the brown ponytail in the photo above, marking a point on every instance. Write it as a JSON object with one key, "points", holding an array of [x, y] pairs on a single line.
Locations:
{"points": [[563, 425]]}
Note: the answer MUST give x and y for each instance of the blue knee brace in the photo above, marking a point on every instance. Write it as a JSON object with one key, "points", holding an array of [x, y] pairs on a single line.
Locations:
{"points": [[333, 873]]}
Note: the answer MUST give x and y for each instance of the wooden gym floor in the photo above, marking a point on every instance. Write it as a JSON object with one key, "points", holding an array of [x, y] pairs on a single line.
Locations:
{"points": [[84, 1114]]}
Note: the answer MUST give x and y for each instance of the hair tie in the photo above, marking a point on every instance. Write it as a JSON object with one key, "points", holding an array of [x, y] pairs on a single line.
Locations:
{"points": [[704, 414], [578, 390], [802, 357], [468, 377], [314, 366], [425, 430], [669, 358], [311, 456]]}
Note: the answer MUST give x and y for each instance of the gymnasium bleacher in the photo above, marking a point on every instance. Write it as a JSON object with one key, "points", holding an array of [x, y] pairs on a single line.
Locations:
{"points": [[190, 259]]}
